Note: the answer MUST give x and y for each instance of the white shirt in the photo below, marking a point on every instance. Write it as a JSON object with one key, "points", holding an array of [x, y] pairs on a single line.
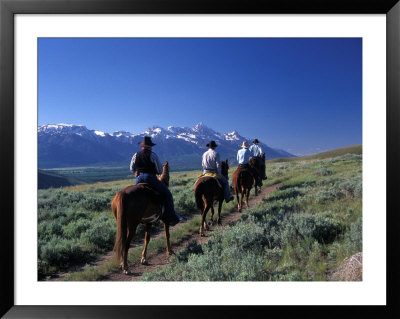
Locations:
{"points": [[255, 150], [210, 161]]}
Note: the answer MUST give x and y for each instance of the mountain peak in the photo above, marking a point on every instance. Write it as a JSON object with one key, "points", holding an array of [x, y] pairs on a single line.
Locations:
{"points": [[233, 136], [61, 127], [204, 130], [154, 131], [199, 126]]}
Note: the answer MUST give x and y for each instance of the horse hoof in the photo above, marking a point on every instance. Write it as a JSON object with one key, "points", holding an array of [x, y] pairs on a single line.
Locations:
{"points": [[143, 261], [126, 272], [219, 223]]}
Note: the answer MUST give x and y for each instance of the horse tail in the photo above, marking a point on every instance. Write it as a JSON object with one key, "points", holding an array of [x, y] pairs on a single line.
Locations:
{"points": [[198, 194], [120, 219]]}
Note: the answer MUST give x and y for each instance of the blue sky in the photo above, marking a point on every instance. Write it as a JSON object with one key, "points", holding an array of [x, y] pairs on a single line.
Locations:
{"points": [[301, 95]]}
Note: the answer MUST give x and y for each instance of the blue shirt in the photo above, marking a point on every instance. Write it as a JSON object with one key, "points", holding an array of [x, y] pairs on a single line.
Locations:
{"points": [[243, 156]]}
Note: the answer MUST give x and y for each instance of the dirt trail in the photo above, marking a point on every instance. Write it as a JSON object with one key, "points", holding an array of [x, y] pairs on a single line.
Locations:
{"points": [[159, 260]]}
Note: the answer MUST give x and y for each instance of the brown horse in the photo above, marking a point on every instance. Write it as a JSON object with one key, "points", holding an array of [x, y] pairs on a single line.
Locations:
{"points": [[242, 180], [134, 205], [259, 165], [206, 192]]}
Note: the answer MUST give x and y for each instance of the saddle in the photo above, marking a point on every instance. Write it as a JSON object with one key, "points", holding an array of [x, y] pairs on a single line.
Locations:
{"points": [[214, 175], [243, 167], [158, 211]]}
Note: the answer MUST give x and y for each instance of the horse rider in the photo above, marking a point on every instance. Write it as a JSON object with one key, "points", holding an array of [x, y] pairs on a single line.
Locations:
{"points": [[256, 153], [211, 164], [243, 157], [146, 164]]}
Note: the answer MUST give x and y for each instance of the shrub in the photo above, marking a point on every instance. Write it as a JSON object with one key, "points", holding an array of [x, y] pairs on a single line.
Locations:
{"points": [[180, 182], [48, 229], [328, 195], [353, 237], [352, 187], [323, 171], [234, 254], [100, 235], [184, 202], [96, 203], [284, 194], [74, 229], [60, 253], [76, 214], [322, 228]]}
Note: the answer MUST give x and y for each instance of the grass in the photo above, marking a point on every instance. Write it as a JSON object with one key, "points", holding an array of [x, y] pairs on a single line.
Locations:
{"points": [[75, 223], [156, 245], [302, 231]]}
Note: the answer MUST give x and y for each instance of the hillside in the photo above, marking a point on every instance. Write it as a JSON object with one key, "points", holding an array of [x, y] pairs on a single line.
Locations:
{"points": [[354, 149], [53, 180]]}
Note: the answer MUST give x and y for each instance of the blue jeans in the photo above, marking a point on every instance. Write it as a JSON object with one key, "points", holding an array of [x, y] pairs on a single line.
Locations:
{"points": [[170, 215], [224, 183]]}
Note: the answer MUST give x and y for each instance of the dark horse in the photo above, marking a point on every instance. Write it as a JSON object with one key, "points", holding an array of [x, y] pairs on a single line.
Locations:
{"points": [[134, 205], [242, 180], [206, 192], [258, 164]]}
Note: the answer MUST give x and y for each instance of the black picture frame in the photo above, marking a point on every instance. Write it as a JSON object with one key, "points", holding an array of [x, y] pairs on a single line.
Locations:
{"points": [[8, 8]]}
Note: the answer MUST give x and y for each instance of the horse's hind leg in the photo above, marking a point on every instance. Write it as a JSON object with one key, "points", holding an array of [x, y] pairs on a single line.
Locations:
{"points": [[203, 220], [242, 191], [146, 242], [237, 197], [131, 234], [212, 216], [166, 229], [219, 212], [247, 197]]}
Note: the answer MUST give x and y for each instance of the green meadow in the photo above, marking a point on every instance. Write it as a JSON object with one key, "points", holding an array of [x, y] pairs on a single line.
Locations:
{"points": [[301, 232]]}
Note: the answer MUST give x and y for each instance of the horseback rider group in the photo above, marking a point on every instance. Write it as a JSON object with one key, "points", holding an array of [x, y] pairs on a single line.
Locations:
{"points": [[145, 164], [243, 158]]}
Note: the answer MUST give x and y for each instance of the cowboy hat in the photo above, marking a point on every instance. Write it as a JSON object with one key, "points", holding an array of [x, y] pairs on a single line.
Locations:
{"points": [[245, 144], [146, 141], [212, 144]]}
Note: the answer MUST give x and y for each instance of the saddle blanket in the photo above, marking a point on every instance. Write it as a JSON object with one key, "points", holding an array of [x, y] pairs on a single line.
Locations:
{"points": [[214, 175]]}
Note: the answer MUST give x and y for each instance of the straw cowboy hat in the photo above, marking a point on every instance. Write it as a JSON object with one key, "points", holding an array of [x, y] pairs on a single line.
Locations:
{"points": [[245, 144], [146, 142]]}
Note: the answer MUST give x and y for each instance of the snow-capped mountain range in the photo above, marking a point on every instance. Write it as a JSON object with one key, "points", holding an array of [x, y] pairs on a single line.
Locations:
{"points": [[68, 145]]}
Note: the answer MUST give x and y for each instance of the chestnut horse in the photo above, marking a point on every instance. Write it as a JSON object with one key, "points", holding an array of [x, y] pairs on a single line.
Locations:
{"points": [[206, 192], [134, 205], [242, 180]]}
